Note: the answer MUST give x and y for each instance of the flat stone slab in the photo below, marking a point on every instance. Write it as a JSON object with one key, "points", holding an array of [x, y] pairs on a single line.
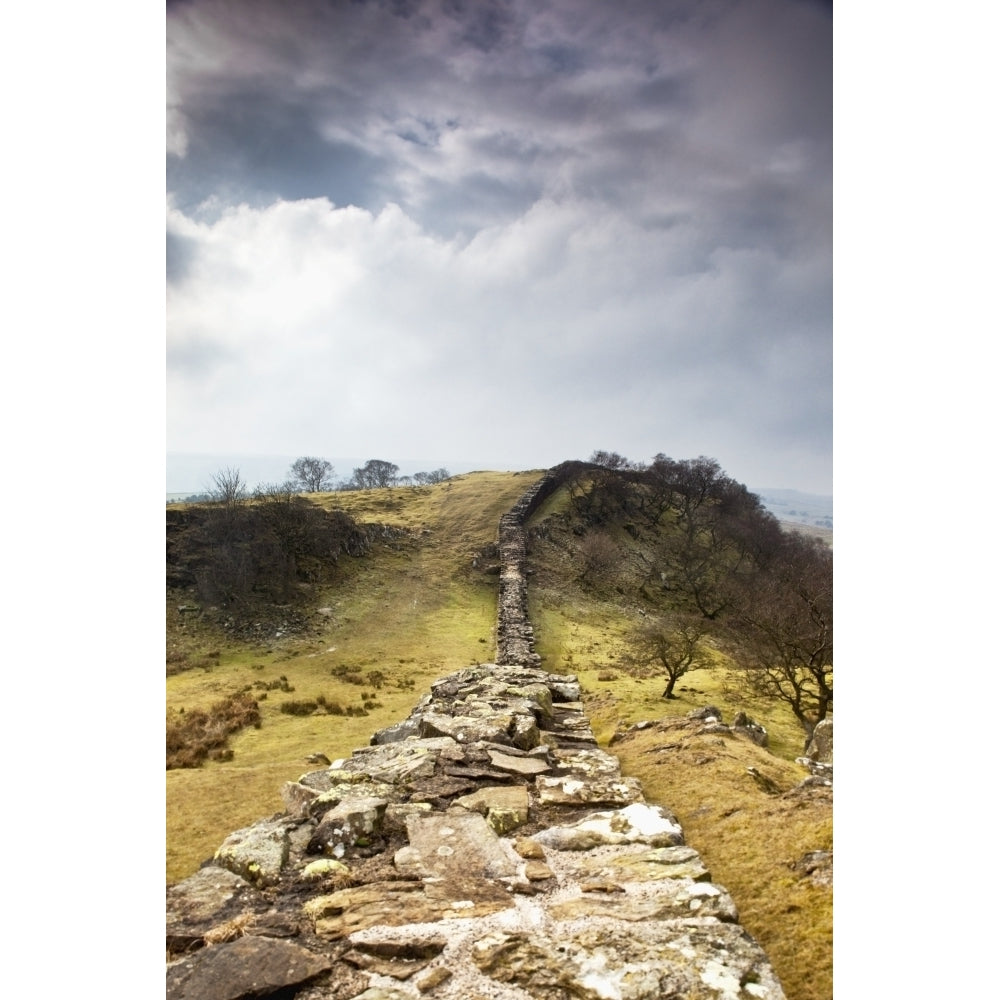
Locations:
{"points": [[459, 845], [506, 797], [247, 967], [207, 898], [403, 761], [504, 806], [396, 904], [468, 728], [526, 766], [637, 823], [649, 866], [592, 958], [668, 899], [572, 789]]}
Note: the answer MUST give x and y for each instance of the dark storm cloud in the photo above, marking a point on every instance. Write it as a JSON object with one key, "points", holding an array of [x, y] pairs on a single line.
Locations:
{"points": [[292, 88], [256, 146], [624, 208], [485, 24]]}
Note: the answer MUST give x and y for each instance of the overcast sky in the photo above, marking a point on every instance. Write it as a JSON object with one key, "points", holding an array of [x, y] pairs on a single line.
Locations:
{"points": [[502, 232]]}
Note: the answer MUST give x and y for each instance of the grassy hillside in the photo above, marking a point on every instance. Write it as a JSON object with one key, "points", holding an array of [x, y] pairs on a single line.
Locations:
{"points": [[423, 604], [413, 609]]}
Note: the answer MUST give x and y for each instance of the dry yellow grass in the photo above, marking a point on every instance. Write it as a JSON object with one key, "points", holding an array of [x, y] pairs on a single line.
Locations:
{"points": [[411, 613], [420, 610], [749, 840], [746, 837]]}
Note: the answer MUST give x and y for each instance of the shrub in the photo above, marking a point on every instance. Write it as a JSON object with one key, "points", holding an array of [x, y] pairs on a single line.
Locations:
{"points": [[304, 707], [193, 736], [248, 552]]}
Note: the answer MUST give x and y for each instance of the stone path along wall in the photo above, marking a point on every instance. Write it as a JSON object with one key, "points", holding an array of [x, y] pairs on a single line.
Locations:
{"points": [[484, 847]]}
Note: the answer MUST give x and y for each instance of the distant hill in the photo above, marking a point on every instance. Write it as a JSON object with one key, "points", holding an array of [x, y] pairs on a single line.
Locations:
{"points": [[799, 508], [189, 474]]}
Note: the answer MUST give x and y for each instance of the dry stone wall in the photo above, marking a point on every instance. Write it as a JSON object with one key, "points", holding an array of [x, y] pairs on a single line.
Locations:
{"points": [[485, 847], [515, 638]]}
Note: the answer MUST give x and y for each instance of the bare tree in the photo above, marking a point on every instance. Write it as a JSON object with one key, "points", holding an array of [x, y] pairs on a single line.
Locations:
{"points": [[676, 644], [782, 622], [610, 460], [429, 478], [375, 474], [229, 487], [719, 532], [312, 475]]}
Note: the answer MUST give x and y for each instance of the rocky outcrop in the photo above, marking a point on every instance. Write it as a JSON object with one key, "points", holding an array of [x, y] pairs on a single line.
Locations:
{"points": [[820, 747], [488, 848], [819, 756], [704, 720], [483, 847]]}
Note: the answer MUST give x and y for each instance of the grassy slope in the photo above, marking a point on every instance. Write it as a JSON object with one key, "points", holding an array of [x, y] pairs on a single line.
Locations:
{"points": [[413, 612], [746, 837], [418, 610]]}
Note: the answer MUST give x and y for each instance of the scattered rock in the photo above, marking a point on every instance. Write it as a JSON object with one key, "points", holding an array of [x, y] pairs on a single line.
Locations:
{"points": [[821, 745], [744, 726], [257, 853], [817, 866], [706, 713], [763, 782], [435, 977]]}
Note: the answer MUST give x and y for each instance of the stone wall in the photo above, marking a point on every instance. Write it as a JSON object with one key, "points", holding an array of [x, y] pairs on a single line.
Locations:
{"points": [[515, 638], [483, 847]]}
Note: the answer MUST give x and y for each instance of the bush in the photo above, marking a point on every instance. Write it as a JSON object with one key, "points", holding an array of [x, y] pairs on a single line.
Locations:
{"points": [[250, 552], [304, 707], [193, 736]]}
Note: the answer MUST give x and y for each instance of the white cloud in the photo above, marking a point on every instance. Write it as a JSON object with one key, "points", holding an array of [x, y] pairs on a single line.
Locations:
{"points": [[575, 226], [569, 319]]}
